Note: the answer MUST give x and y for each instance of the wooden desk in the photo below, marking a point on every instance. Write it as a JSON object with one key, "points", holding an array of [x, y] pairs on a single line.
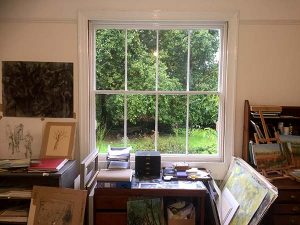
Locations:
{"points": [[286, 208], [110, 204]]}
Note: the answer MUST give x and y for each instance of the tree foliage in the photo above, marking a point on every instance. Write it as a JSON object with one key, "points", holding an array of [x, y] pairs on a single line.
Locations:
{"points": [[111, 64]]}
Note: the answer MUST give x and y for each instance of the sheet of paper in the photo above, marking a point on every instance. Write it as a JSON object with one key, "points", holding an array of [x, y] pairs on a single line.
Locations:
{"points": [[229, 206]]}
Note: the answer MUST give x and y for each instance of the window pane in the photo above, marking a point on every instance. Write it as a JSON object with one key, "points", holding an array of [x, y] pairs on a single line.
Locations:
{"points": [[141, 122], [173, 52], [172, 124], [204, 62], [110, 121], [202, 124], [110, 59], [141, 59]]}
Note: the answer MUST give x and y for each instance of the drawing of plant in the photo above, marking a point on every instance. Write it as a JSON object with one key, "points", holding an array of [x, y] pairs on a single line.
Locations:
{"points": [[58, 136], [16, 140]]}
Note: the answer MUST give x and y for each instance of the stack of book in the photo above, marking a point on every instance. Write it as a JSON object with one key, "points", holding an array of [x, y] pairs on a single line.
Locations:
{"points": [[118, 157], [114, 178]]}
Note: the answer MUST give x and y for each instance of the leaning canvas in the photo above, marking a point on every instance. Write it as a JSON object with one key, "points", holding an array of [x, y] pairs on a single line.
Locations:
{"points": [[144, 211], [253, 192], [53, 205], [270, 156]]}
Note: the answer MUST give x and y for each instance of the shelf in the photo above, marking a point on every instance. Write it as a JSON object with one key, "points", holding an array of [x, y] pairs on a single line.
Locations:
{"points": [[288, 115], [16, 189]]}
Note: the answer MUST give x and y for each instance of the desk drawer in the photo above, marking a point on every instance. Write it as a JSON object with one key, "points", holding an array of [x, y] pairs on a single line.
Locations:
{"points": [[286, 220], [289, 196], [286, 209], [111, 218], [110, 202]]}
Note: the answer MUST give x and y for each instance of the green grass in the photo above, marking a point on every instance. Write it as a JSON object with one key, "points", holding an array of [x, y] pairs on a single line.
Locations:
{"points": [[201, 141]]}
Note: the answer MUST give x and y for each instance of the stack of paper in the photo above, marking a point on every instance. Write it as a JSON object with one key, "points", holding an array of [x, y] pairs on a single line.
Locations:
{"points": [[118, 157]]}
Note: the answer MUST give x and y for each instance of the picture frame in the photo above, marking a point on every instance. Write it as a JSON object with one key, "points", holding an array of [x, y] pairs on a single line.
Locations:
{"points": [[55, 205], [58, 140]]}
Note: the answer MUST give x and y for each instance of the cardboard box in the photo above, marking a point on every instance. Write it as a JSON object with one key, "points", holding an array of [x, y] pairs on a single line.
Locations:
{"points": [[181, 221], [184, 214]]}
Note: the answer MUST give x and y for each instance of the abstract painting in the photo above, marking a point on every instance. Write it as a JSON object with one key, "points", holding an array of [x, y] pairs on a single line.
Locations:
{"points": [[37, 89]]}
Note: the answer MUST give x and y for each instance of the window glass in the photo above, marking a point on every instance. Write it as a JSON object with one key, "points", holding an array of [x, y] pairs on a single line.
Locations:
{"points": [[157, 89], [110, 57]]}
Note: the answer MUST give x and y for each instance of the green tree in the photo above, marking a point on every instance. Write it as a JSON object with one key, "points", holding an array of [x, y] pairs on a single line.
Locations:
{"points": [[141, 61]]}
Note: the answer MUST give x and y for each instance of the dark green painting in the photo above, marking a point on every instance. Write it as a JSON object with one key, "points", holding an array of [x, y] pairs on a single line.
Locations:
{"points": [[144, 212], [37, 89]]}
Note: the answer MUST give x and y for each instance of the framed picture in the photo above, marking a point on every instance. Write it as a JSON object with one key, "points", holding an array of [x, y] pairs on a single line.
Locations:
{"points": [[58, 140], [54, 205], [52, 82]]}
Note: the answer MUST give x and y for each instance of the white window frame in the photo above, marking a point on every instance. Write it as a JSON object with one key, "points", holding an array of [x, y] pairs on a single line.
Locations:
{"points": [[218, 165]]}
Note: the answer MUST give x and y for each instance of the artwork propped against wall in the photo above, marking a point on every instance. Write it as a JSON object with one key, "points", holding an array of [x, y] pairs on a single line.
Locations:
{"points": [[20, 138], [54, 205], [37, 89]]}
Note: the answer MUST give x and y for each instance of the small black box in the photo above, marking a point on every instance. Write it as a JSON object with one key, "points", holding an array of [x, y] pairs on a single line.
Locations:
{"points": [[147, 164]]}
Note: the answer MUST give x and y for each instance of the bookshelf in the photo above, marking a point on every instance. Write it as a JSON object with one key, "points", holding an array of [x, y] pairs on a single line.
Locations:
{"points": [[15, 188], [286, 208], [289, 115]]}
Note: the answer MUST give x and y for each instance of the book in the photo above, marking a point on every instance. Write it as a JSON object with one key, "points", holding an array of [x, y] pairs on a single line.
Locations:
{"points": [[115, 175], [114, 184], [47, 165]]}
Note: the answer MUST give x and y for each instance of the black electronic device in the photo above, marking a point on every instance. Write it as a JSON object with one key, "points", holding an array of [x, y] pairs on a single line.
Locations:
{"points": [[147, 164]]}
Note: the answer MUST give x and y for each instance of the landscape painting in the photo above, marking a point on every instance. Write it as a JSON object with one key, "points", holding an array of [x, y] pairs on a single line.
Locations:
{"points": [[270, 156], [144, 211], [37, 89]]}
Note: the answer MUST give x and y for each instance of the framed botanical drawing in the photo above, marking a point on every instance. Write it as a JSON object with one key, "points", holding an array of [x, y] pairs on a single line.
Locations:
{"points": [[58, 140]]}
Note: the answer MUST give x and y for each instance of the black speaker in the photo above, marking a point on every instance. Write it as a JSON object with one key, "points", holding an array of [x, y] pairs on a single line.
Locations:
{"points": [[147, 164]]}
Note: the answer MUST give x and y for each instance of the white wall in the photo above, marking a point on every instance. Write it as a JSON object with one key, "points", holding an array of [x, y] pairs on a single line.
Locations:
{"points": [[268, 52]]}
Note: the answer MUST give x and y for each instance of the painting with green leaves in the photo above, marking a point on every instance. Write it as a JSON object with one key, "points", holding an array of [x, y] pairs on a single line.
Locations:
{"points": [[144, 212]]}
